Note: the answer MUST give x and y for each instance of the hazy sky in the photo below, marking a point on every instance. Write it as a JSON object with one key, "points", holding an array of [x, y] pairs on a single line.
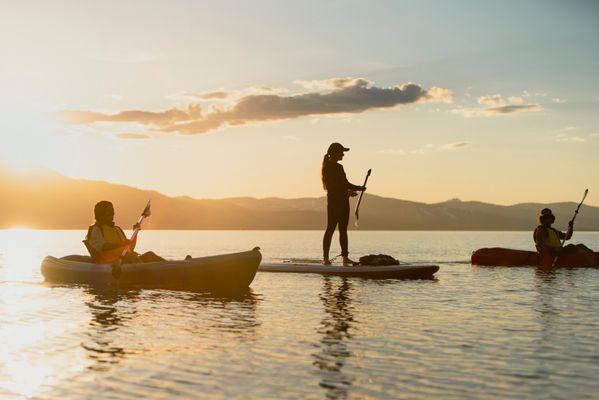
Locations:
{"points": [[492, 101]]}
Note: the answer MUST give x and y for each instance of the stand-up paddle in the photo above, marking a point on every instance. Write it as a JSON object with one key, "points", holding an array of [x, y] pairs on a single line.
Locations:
{"points": [[116, 266], [572, 222], [360, 198]]}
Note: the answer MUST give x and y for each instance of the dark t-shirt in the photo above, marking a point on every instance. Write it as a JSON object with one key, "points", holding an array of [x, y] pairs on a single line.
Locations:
{"points": [[337, 183]]}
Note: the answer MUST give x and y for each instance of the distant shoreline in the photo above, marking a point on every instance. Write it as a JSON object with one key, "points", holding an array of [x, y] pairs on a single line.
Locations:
{"points": [[55, 202], [296, 230]]}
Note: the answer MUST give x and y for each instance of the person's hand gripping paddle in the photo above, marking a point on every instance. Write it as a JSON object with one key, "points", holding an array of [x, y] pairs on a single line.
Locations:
{"points": [[116, 266], [360, 198]]}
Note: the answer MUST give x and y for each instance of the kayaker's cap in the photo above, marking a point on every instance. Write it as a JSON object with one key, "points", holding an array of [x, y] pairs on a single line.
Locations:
{"points": [[337, 148], [546, 212]]}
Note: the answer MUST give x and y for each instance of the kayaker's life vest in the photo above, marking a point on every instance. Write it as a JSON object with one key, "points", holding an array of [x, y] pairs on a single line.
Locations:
{"points": [[553, 238], [111, 234]]}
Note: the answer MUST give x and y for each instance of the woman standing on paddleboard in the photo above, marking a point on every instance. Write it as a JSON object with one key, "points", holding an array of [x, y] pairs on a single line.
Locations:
{"points": [[338, 191]]}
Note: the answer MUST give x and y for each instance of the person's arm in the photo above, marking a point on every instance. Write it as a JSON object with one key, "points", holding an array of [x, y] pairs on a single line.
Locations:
{"points": [[540, 237], [568, 234], [132, 243], [349, 185], [356, 187]]}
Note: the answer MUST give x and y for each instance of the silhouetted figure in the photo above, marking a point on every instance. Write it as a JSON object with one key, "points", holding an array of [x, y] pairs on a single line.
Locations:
{"points": [[548, 240], [106, 242], [339, 191]]}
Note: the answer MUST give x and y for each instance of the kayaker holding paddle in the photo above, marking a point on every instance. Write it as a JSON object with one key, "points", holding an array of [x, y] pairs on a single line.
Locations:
{"points": [[339, 190], [106, 242], [549, 241]]}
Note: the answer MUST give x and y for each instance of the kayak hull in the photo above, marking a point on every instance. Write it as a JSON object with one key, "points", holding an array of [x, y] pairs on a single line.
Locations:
{"points": [[363, 271], [221, 273], [497, 256]]}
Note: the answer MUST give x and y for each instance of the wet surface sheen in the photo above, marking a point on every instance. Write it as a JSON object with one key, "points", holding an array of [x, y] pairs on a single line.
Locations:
{"points": [[489, 333]]}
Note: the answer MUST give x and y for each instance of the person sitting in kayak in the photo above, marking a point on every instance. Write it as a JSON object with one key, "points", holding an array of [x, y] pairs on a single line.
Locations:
{"points": [[548, 240], [106, 242], [338, 191]]}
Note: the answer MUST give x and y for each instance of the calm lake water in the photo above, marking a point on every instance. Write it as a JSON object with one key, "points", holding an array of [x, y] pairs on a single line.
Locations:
{"points": [[485, 333]]}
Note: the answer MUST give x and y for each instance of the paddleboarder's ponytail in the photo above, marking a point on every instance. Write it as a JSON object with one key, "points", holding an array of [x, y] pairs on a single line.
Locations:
{"points": [[325, 165]]}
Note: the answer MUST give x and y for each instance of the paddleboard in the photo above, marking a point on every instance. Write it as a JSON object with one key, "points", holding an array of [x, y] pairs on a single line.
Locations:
{"points": [[364, 271]]}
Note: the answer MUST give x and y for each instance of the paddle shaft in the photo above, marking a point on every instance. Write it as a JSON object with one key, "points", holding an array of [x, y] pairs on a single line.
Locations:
{"points": [[361, 194], [572, 222], [134, 234], [143, 215], [576, 211]]}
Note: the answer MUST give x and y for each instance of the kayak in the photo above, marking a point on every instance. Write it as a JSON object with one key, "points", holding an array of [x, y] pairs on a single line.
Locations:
{"points": [[221, 273], [498, 256], [403, 271]]}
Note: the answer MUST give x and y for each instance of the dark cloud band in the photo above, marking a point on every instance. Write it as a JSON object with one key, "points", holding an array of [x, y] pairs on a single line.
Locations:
{"points": [[341, 96]]}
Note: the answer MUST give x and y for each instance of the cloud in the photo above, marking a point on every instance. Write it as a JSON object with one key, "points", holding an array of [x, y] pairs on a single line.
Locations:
{"points": [[567, 138], [162, 118], [133, 136], [496, 105], [440, 95], [219, 95], [453, 146], [516, 100], [490, 100], [426, 149], [227, 97], [513, 108], [332, 84], [328, 97]]}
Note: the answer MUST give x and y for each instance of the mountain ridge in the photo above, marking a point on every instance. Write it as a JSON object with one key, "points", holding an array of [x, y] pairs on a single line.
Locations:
{"points": [[48, 200]]}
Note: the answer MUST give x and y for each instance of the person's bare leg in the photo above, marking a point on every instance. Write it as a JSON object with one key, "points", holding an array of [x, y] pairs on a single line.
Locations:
{"points": [[328, 236], [344, 241]]}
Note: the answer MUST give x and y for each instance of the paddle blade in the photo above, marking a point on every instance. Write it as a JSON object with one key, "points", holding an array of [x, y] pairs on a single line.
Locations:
{"points": [[148, 210]]}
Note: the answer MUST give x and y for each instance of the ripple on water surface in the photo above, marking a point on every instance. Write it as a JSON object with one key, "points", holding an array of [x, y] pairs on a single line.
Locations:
{"points": [[471, 332]]}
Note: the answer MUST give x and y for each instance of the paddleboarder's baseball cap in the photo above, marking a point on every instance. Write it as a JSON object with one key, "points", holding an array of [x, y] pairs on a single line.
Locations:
{"points": [[336, 148], [546, 212]]}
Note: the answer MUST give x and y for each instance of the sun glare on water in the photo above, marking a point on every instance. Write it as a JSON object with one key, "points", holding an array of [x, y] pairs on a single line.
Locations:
{"points": [[30, 321], [16, 259]]}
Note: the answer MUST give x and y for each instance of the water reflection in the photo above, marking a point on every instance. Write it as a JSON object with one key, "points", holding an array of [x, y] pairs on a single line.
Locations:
{"points": [[547, 287], [113, 334], [110, 309], [335, 330], [233, 314]]}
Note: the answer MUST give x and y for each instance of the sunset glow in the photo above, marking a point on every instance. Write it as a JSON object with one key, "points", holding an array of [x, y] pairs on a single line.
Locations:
{"points": [[266, 199], [211, 104]]}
